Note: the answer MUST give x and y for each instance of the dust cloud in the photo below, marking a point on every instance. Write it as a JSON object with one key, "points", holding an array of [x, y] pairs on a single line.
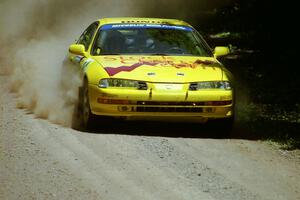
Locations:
{"points": [[35, 35]]}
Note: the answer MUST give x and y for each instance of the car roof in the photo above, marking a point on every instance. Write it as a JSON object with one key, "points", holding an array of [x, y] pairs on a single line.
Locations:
{"points": [[139, 20]]}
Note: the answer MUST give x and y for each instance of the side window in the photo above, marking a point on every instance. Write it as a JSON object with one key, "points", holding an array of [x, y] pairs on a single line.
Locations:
{"points": [[87, 35]]}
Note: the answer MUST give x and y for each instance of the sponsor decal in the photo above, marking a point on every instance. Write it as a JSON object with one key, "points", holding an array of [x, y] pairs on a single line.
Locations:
{"points": [[145, 26], [153, 62], [143, 21], [115, 70]]}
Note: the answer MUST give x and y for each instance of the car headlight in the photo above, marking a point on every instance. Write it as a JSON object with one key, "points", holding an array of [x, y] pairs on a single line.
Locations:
{"points": [[123, 83], [225, 85]]}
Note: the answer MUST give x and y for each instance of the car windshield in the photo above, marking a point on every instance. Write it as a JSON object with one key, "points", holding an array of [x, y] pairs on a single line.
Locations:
{"points": [[148, 39]]}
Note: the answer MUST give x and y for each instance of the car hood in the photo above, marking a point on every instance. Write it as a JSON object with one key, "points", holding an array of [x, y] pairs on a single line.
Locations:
{"points": [[177, 69]]}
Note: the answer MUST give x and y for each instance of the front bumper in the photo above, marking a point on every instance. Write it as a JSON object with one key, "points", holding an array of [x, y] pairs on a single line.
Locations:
{"points": [[208, 104]]}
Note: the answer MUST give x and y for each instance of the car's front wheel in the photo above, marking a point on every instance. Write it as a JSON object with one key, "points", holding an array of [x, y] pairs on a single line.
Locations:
{"points": [[225, 126], [87, 117], [221, 128]]}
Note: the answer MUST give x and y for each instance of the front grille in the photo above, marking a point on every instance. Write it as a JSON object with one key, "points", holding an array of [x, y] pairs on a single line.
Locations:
{"points": [[170, 103], [184, 103], [167, 109]]}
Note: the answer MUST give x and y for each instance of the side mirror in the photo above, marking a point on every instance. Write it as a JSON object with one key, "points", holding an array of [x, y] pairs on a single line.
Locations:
{"points": [[221, 51], [77, 49]]}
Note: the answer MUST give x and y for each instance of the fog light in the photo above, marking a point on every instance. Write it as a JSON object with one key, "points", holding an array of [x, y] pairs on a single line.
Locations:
{"points": [[100, 100]]}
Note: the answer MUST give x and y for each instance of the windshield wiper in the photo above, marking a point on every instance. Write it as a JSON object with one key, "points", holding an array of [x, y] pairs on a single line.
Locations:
{"points": [[107, 54], [159, 54]]}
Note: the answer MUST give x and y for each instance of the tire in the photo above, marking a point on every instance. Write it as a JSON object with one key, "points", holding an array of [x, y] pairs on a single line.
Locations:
{"points": [[223, 128], [87, 118]]}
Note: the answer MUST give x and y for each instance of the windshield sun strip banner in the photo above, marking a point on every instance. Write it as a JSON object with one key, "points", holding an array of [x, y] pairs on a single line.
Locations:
{"points": [[144, 26]]}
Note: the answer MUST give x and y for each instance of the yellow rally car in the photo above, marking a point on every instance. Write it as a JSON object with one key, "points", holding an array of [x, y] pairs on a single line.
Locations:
{"points": [[149, 68]]}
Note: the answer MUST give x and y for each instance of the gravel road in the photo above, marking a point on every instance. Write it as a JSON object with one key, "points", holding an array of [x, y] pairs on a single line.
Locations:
{"points": [[42, 160]]}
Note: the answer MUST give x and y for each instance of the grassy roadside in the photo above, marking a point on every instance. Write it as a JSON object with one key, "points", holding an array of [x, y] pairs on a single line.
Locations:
{"points": [[270, 123], [267, 99]]}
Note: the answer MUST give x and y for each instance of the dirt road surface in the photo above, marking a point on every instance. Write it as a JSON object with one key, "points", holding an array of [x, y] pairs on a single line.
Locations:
{"points": [[42, 160]]}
